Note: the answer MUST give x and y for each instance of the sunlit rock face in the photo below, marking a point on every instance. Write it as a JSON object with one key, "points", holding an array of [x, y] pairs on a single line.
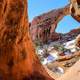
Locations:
{"points": [[18, 60], [43, 27], [73, 73], [75, 9], [78, 41]]}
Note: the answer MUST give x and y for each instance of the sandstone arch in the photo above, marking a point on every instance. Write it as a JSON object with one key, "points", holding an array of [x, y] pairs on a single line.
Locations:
{"points": [[47, 22]]}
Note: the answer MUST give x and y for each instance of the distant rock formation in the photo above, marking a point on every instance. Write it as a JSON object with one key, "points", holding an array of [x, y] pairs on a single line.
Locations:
{"points": [[70, 35], [18, 60], [43, 27]]}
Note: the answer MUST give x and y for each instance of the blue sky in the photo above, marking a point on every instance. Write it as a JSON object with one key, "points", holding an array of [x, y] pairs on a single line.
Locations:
{"points": [[37, 7]]}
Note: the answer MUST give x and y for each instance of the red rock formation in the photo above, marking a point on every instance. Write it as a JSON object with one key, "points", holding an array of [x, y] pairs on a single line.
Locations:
{"points": [[43, 26], [78, 41], [75, 9], [18, 60], [55, 36], [74, 31]]}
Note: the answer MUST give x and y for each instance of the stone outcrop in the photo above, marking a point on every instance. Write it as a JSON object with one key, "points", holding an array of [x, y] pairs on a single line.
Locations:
{"points": [[73, 73], [18, 60], [78, 41], [74, 31], [75, 9], [70, 35], [43, 27]]}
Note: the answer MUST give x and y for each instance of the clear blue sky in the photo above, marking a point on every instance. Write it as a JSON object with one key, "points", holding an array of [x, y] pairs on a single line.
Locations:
{"points": [[37, 7]]}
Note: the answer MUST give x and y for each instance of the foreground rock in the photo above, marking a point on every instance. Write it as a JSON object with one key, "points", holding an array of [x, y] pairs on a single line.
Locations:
{"points": [[18, 60], [75, 9], [78, 41], [73, 73]]}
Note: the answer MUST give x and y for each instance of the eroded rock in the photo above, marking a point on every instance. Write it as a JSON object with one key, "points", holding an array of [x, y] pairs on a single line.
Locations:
{"points": [[78, 41], [18, 60], [43, 27], [75, 9]]}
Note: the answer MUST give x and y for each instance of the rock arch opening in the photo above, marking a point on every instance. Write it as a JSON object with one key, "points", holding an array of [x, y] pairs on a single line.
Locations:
{"points": [[67, 24]]}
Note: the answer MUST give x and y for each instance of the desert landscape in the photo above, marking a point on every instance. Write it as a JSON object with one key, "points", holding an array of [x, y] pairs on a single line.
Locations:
{"points": [[34, 50]]}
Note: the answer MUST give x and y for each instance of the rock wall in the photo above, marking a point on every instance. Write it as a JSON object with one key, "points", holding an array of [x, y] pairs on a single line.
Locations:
{"points": [[75, 9], [78, 41], [18, 60], [43, 27]]}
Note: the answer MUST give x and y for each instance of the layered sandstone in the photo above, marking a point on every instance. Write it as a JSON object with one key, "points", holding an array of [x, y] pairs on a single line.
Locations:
{"points": [[78, 41], [18, 60], [43, 27], [73, 73], [75, 9]]}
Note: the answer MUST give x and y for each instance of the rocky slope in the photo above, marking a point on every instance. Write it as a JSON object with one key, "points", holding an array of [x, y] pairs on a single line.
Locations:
{"points": [[18, 60], [70, 35]]}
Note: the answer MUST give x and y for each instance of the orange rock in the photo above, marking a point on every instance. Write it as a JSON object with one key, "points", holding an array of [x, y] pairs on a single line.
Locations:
{"points": [[78, 41], [72, 73], [18, 60], [75, 9]]}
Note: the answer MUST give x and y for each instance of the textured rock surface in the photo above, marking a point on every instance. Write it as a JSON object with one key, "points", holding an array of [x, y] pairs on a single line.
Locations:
{"points": [[18, 60], [43, 26], [75, 9], [73, 73], [78, 41]]}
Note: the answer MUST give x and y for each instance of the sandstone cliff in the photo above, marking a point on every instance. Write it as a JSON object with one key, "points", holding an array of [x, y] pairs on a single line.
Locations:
{"points": [[18, 60], [78, 41]]}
